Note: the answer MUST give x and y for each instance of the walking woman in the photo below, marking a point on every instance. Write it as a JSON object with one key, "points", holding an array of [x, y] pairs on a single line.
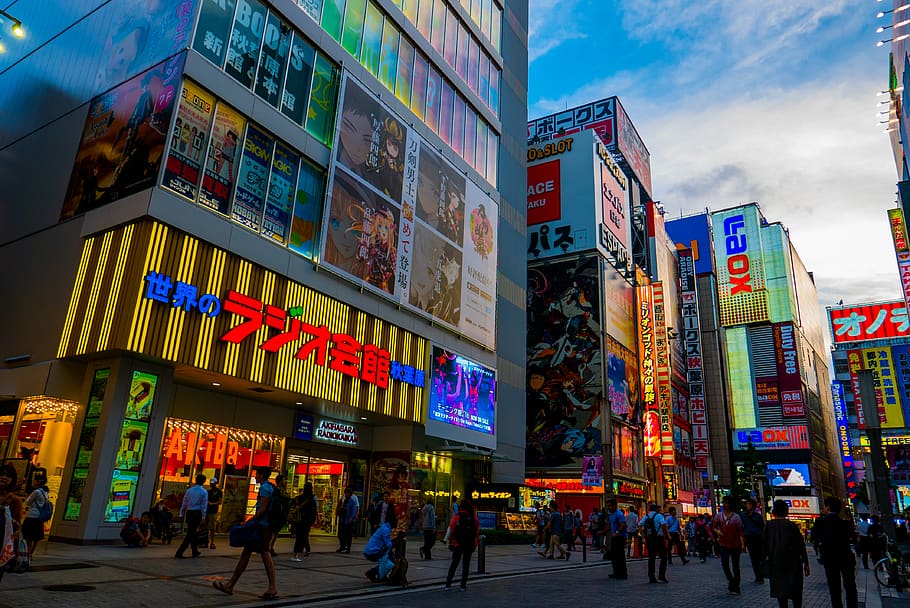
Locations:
{"points": [[785, 552], [8, 481], [465, 534], [307, 509]]}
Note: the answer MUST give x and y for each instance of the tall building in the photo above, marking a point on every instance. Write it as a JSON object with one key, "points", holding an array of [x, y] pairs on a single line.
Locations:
{"points": [[775, 356], [262, 233]]}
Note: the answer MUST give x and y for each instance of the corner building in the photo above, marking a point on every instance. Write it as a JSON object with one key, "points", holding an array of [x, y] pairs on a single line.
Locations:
{"points": [[262, 233]]}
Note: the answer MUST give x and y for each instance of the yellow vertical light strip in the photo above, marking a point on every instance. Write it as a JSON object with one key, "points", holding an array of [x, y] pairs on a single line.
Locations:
{"points": [[174, 313], [74, 297], [205, 344], [159, 244], [184, 274], [373, 403], [418, 393], [233, 350], [359, 335], [114, 300], [134, 322], [405, 359], [97, 282], [393, 341], [265, 332]]}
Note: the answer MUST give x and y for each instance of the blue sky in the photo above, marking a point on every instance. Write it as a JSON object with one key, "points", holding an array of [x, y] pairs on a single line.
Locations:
{"points": [[772, 101]]}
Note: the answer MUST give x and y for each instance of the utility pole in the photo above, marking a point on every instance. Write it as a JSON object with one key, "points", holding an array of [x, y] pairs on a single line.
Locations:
{"points": [[881, 481]]}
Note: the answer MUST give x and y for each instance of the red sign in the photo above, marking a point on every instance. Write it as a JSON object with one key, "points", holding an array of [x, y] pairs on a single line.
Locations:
{"points": [[869, 322], [565, 485], [788, 378], [211, 451], [323, 468], [543, 193]]}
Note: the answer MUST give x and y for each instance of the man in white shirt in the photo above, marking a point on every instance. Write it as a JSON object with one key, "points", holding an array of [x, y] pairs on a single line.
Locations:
{"points": [[195, 504]]}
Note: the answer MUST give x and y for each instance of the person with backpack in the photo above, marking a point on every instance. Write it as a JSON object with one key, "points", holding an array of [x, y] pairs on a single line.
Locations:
{"points": [[279, 511], [673, 527], [654, 528], [555, 530], [305, 514], [260, 519], [703, 537], [193, 510], [729, 529], [464, 538], [38, 510]]}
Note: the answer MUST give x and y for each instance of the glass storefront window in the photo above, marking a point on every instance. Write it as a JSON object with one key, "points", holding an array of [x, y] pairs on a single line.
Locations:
{"points": [[434, 84], [451, 40], [372, 39], [388, 58], [332, 14], [321, 119], [213, 29], [243, 52], [431, 480], [86, 444], [405, 71], [273, 62], [419, 88], [446, 107], [437, 36], [353, 26], [458, 125]]}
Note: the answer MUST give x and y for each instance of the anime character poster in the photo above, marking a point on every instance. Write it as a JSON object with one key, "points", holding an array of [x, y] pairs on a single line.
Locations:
{"points": [[464, 392], [221, 165], [435, 285], [565, 384], [899, 462], [622, 382], [361, 232], [183, 165], [371, 141], [441, 195], [478, 291], [123, 139]]}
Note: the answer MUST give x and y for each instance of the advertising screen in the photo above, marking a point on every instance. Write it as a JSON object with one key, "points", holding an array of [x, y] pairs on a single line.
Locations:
{"points": [[772, 438], [462, 395], [739, 374], [740, 269], [123, 139], [788, 475], [861, 322], [404, 222], [565, 392]]}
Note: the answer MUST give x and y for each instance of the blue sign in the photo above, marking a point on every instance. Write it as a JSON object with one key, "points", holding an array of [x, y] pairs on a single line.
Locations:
{"points": [[303, 427]]}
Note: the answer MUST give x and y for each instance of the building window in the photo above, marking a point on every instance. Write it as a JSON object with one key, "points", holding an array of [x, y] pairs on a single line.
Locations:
{"points": [[276, 43], [437, 36], [388, 61], [446, 107], [297, 81], [405, 71], [353, 26], [419, 90], [243, 53], [372, 39], [332, 14], [434, 84]]}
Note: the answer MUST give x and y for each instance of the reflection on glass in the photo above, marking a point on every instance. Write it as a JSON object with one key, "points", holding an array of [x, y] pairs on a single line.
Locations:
{"points": [[353, 26], [388, 58], [419, 89], [405, 71], [372, 39], [332, 18]]}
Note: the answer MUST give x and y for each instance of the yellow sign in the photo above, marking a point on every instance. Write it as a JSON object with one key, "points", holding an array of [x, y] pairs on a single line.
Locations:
{"points": [[554, 148]]}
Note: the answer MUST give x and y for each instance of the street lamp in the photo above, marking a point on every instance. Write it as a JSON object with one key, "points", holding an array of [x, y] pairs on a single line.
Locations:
{"points": [[16, 28]]}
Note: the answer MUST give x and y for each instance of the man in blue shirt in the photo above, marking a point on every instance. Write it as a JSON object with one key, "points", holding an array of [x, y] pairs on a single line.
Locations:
{"points": [[617, 541], [675, 539], [380, 542], [347, 516], [656, 536], [195, 504], [555, 531]]}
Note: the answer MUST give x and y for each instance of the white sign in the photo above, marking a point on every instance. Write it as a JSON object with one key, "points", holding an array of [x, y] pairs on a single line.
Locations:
{"points": [[801, 505], [334, 431]]}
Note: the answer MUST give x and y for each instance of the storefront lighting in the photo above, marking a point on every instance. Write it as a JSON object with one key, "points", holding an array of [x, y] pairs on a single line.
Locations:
{"points": [[216, 384], [299, 403], [363, 417], [49, 405]]}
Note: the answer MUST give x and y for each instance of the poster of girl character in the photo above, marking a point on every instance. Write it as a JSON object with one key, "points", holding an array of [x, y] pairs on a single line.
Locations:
{"points": [[463, 393], [361, 233]]}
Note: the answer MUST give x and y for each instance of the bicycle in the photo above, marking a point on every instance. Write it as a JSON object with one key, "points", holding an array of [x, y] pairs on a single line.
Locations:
{"points": [[892, 571]]}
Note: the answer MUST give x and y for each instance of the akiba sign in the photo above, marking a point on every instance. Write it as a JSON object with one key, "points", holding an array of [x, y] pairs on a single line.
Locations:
{"points": [[334, 431]]}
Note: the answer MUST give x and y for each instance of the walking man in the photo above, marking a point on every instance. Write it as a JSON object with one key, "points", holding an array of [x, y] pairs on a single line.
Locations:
{"points": [[753, 526], [555, 531], [618, 541], [568, 527], [216, 497], [194, 507], [656, 535], [632, 532], [347, 515], [540, 518], [675, 539], [428, 525], [729, 529], [833, 534]]}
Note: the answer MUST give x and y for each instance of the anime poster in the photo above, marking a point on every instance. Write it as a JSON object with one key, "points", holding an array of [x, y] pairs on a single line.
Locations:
{"points": [[142, 396], [391, 473], [360, 233], [183, 165], [436, 267], [282, 190], [565, 393], [221, 163], [651, 423], [123, 139], [478, 291], [252, 178], [622, 382], [371, 141], [464, 392], [441, 195], [592, 473]]}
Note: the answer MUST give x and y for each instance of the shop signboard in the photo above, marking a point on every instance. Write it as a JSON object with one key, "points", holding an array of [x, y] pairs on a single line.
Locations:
{"points": [[886, 382], [863, 322], [740, 269], [772, 438], [664, 391], [844, 438], [462, 403], [592, 472], [671, 489], [789, 382], [901, 248], [628, 488], [571, 486], [691, 335], [544, 192], [336, 431], [404, 222], [801, 505], [528, 496], [303, 427], [213, 448]]}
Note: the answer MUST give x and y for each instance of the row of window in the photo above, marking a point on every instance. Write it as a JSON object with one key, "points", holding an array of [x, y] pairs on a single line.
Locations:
{"points": [[488, 17], [220, 160], [266, 55], [379, 45], [445, 31]]}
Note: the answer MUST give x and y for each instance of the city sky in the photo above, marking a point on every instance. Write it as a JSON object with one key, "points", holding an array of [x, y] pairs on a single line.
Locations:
{"points": [[773, 101]]}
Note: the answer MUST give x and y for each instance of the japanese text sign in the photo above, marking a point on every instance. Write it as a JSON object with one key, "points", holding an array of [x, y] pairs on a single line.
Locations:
{"points": [[862, 322], [740, 268], [694, 369]]}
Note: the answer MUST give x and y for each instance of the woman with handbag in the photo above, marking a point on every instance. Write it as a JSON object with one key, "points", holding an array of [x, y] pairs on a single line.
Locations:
{"points": [[11, 504], [786, 561], [306, 514]]}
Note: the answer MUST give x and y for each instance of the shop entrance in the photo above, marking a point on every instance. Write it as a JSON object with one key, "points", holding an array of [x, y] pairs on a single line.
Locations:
{"points": [[327, 477]]}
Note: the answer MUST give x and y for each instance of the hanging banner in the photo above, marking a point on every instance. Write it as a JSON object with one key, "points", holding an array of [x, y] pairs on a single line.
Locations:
{"points": [[664, 393], [221, 164], [694, 365], [593, 471], [901, 249]]}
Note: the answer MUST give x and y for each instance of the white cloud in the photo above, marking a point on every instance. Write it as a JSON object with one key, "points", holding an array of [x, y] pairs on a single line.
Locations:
{"points": [[550, 24]]}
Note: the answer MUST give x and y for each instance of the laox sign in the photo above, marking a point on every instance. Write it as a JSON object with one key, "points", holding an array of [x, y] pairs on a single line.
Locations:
{"points": [[737, 259]]}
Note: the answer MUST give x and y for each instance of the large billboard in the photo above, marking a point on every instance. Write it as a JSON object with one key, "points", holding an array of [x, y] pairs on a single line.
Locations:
{"points": [[564, 364], [694, 232], [577, 201], [864, 322], [740, 268], [887, 385], [691, 335], [772, 438], [901, 249], [123, 139], [789, 381], [405, 223], [462, 403], [632, 149]]}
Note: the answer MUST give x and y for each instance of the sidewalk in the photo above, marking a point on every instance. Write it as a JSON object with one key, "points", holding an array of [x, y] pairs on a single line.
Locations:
{"points": [[151, 576]]}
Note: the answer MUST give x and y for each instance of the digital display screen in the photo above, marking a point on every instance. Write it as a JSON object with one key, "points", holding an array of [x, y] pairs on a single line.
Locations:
{"points": [[464, 392], [788, 474]]}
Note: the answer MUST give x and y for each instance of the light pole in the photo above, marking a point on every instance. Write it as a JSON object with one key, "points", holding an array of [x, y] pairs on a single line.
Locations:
{"points": [[761, 491], [881, 481]]}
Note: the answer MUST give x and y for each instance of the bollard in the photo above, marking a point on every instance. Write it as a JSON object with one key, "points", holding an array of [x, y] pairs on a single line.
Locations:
{"points": [[584, 548], [482, 555]]}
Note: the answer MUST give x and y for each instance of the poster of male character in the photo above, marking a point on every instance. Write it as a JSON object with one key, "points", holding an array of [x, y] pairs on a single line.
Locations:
{"points": [[441, 196], [371, 141], [436, 267], [123, 139], [565, 384], [221, 166], [361, 231], [622, 382]]}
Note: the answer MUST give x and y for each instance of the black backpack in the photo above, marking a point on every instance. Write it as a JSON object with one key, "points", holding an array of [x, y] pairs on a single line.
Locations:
{"points": [[279, 508], [649, 525], [465, 530]]}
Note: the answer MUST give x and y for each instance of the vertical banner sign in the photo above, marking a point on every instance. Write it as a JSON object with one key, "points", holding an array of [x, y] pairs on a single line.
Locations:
{"points": [[901, 249], [183, 166], [788, 378], [695, 371], [855, 362], [843, 436], [883, 373], [670, 488], [901, 357], [645, 320], [592, 473], [221, 164], [664, 395], [252, 178]]}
